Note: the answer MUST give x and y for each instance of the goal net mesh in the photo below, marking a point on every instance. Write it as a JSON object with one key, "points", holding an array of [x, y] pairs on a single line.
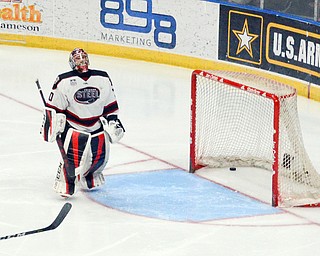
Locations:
{"points": [[236, 126]]}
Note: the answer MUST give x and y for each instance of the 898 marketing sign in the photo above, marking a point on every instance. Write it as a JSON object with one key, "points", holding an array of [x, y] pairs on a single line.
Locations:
{"points": [[138, 16]]}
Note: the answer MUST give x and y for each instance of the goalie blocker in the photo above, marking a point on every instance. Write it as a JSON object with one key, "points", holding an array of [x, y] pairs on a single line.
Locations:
{"points": [[53, 124]]}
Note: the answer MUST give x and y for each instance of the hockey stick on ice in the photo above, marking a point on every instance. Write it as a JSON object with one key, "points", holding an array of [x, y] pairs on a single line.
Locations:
{"points": [[69, 169], [62, 214]]}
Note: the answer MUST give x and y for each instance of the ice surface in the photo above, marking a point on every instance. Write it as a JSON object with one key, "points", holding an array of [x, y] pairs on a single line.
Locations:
{"points": [[154, 102]]}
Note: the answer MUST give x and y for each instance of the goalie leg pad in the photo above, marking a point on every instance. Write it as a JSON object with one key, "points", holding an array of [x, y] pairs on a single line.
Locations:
{"points": [[92, 181], [64, 185], [100, 148], [77, 148]]}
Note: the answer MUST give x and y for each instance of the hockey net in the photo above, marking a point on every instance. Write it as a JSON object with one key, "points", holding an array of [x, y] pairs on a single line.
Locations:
{"points": [[243, 120]]}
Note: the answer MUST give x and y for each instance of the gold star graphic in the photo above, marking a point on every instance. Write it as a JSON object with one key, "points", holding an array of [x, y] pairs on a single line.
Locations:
{"points": [[245, 39]]}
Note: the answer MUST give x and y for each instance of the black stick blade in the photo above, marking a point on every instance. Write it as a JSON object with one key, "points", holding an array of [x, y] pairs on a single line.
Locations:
{"points": [[58, 220], [62, 214]]}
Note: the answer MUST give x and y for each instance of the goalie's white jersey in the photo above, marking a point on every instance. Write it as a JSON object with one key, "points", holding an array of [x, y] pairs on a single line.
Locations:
{"points": [[83, 98]]}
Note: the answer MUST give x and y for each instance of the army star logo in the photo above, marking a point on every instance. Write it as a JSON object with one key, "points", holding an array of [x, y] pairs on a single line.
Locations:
{"points": [[245, 39]]}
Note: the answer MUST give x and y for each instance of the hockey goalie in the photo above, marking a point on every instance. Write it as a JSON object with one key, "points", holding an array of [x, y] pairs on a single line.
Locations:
{"points": [[82, 112]]}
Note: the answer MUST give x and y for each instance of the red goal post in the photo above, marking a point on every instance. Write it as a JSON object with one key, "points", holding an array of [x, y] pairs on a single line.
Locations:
{"points": [[244, 120]]}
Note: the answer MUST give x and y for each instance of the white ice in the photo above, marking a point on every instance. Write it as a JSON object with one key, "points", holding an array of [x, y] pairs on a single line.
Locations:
{"points": [[154, 101]]}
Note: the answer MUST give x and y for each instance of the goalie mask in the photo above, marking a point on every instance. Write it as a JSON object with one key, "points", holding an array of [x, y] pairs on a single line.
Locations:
{"points": [[79, 60]]}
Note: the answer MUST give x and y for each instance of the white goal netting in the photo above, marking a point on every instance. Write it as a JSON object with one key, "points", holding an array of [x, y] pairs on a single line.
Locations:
{"points": [[242, 119]]}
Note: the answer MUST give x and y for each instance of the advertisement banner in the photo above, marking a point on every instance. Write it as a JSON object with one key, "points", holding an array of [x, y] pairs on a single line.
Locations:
{"points": [[18, 18], [286, 46], [179, 27]]}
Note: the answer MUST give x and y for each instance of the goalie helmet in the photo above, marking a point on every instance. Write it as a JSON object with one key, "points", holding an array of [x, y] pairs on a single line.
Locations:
{"points": [[79, 60]]}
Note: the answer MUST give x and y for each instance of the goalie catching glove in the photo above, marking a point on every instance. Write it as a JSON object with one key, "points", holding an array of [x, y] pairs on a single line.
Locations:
{"points": [[113, 127], [53, 124]]}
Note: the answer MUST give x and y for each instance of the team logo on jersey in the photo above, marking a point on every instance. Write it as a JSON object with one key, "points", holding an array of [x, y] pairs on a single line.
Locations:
{"points": [[87, 95]]}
